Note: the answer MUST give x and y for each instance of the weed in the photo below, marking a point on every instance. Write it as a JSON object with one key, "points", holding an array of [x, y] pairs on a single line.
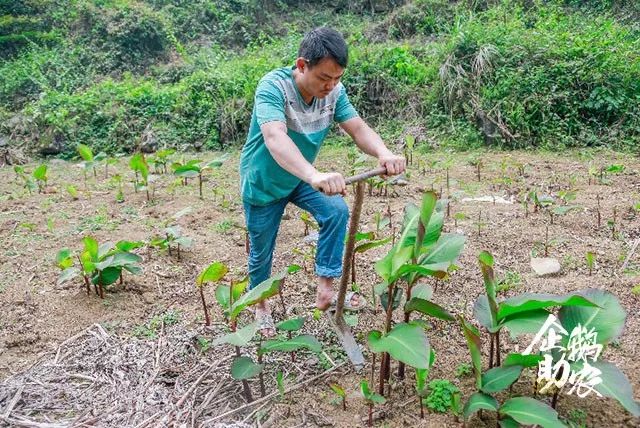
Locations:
{"points": [[441, 395], [463, 370]]}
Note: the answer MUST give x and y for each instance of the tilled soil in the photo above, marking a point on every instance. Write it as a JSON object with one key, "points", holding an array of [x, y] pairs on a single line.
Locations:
{"points": [[38, 314]]}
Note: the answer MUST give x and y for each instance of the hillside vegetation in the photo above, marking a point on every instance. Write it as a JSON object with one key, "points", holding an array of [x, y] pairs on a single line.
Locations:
{"points": [[120, 75]]}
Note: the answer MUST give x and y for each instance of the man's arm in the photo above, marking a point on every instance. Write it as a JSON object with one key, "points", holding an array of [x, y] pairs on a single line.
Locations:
{"points": [[370, 143], [289, 157]]}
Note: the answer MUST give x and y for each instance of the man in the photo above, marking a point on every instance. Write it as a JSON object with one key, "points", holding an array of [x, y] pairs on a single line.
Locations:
{"points": [[293, 113]]}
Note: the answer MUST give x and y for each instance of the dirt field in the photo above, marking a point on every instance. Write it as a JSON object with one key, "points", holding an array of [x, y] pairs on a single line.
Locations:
{"points": [[37, 315]]}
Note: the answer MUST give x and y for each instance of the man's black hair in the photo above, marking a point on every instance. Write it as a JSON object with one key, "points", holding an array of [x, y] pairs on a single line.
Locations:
{"points": [[324, 42]]}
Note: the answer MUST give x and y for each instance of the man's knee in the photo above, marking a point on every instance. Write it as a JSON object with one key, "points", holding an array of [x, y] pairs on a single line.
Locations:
{"points": [[338, 211]]}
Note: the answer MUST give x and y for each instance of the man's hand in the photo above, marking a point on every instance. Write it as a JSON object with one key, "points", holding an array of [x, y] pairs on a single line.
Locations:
{"points": [[395, 164], [329, 183]]}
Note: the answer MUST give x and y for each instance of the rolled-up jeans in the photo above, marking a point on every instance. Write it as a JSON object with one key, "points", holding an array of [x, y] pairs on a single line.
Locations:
{"points": [[330, 212]]}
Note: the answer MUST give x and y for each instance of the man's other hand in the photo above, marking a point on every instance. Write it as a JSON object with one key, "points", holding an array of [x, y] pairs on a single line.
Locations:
{"points": [[393, 163], [329, 183]]}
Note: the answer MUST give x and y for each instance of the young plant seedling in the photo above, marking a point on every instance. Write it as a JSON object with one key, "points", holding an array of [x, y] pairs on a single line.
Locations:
{"points": [[139, 166], [40, 175], [371, 398], [172, 235], [340, 392], [161, 159], [591, 259], [104, 264], [195, 168]]}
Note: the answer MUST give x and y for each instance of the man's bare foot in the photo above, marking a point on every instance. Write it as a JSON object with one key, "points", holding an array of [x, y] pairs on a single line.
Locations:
{"points": [[266, 327], [325, 295]]}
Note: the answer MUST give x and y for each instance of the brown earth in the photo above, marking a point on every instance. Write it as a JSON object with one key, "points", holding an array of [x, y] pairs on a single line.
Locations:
{"points": [[37, 314]]}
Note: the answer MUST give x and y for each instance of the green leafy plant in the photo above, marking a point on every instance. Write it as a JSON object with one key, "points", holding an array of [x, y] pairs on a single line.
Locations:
{"points": [[421, 251], [340, 392], [138, 165], [195, 168], [161, 159], [234, 302], [371, 398], [101, 265], [27, 180], [441, 395], [590, 257], [40, 175], [172, 235]]}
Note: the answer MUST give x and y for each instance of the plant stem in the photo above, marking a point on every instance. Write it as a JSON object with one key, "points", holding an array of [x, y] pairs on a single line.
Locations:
{"points": [[373, 367], [207, 320], [200, 184], [370, 414], [421, 407], [490, 350], [245, 384], [344, 403], [261, 375], [86, 282], [498, 348], [598, 208], [101, 288]]}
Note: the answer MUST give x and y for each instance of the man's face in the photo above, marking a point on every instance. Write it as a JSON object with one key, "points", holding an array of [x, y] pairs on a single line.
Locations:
{"points": [[320, 79]]}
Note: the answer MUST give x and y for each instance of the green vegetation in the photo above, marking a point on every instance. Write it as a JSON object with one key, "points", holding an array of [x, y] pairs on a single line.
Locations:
{"points": [[119, 76]]}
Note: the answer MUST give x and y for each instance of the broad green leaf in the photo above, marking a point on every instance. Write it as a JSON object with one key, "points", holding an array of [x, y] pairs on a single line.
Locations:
{"points": [[370, 396], [507, 422], [486, 266], [422, 376], [129, 245], [121, 259], [188, 171], [529, 411], [372, 244], [303, 341], [428, 308], [482, 314], [184, 241], [212, 273], [104, 249], [240, 337], [67, 274], [90, 246], [529, 322], [237, 288], [529, 360], [616, 385], [499, 378], [361, 236], [422, 291], [607, 320], [405, 342], [472, 336], [138, 163], [338, 390], [427, 207], [264, 290], [40, 173], [222, 294], [446, 250], [136, 270], [293, 324], [479, 401], [437, 270], [85, 152], [107, 276], [530, 301], [244, 368], [63, 258]]}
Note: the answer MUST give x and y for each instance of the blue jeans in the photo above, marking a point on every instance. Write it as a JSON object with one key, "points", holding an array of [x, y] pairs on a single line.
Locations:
{"points": [[330, 212]]}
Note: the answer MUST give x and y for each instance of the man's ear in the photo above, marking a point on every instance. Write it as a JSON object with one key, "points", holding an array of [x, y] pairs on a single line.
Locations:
{"points": [[301, 64]]}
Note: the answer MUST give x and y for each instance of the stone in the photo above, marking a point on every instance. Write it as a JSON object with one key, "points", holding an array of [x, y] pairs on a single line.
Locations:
{"points": [[545, 266]]}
